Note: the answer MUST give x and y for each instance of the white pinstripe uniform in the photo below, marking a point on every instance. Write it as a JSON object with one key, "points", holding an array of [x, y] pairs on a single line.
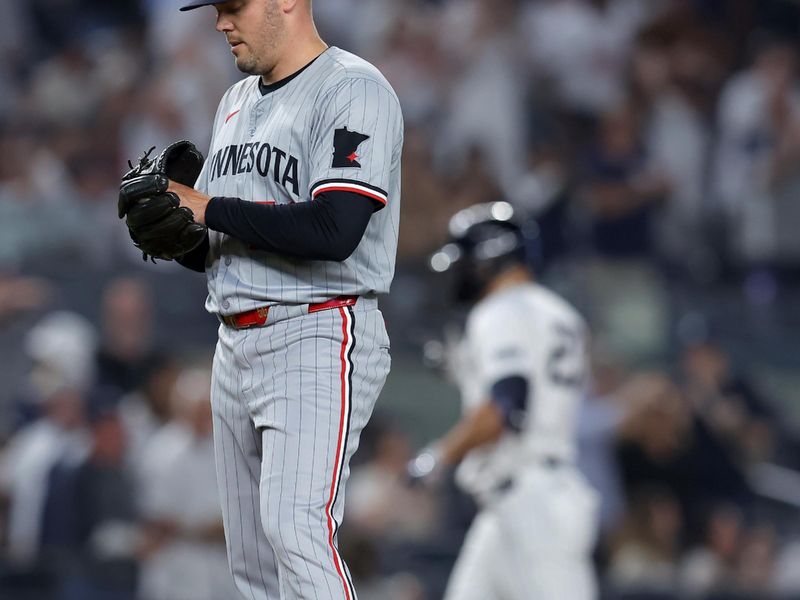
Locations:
{"points": [[533, 538], [290, 398]]}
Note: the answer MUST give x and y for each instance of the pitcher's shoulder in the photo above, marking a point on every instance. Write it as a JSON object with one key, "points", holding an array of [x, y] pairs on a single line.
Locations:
{"points": [[239, 90], [345, 66]]}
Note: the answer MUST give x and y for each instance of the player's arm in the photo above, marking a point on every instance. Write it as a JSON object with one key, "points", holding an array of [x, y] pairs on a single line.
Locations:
{"points": [[501, 354], [503, 411], [196, 259], [484, 425], [355, 133], [328, 228]]}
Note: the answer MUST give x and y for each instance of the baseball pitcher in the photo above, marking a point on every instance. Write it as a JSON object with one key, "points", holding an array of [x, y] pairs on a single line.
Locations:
{"points": [[293, 217]]}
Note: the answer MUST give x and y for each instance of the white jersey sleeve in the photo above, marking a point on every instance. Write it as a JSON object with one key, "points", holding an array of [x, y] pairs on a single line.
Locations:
{"points": [[499, 346]]}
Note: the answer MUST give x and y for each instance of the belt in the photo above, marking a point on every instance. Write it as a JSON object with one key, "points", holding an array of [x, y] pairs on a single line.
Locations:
{"points": [[258, 316], [548, 462], [551, 462]]}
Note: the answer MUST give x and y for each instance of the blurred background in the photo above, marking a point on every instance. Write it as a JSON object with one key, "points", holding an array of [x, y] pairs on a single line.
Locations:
{"points": [[655, 144]]}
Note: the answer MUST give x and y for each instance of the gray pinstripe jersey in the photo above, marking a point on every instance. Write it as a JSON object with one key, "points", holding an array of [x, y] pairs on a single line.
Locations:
{"points": [[336, 126]]}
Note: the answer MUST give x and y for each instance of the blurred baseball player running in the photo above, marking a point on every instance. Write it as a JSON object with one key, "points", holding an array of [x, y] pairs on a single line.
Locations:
{"points": [[301, 196], [521, 369]]}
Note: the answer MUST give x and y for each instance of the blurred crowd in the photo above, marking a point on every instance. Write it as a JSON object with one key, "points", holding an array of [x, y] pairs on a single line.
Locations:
{"points": [[108, 488], [668, 128], [107, 475], [656, 146]]}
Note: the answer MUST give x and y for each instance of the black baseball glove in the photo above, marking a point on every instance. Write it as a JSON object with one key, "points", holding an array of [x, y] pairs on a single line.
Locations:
{"points": [[158, 225]]}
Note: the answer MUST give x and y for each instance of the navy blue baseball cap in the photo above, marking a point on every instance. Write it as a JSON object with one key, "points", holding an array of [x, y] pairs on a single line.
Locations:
{"points": [[193, 5]]}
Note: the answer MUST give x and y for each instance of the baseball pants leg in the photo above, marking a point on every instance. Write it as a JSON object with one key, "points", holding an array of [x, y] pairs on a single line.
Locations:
{"points": [[307, 387], [534, 544], [238, 448]]}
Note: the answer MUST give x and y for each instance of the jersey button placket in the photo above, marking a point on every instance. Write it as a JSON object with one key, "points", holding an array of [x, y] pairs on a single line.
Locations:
{"points": [[254, 122]]}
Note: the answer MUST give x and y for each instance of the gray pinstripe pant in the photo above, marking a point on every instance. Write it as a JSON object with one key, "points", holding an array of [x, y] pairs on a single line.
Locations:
{"points": [[290, 400]]}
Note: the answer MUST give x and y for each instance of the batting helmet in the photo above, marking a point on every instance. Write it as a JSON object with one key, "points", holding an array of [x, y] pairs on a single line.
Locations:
{"points": [[485, 239]]}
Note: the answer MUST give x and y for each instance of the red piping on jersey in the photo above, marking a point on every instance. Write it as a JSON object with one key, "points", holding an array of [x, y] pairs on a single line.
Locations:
{"points": [[323, 189], [338, 461], [234, 113]]}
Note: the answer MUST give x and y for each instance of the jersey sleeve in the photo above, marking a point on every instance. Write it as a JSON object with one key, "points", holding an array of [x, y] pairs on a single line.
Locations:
{"points": [[500, 348], [356, 136]]}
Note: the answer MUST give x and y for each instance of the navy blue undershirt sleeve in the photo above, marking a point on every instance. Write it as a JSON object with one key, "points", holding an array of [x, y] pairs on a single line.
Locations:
{"points": [[510, 395], [329, 227], [196, 259]]}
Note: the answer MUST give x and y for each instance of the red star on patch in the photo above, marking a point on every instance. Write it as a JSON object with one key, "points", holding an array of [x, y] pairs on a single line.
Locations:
{"points": [[352, 157]]}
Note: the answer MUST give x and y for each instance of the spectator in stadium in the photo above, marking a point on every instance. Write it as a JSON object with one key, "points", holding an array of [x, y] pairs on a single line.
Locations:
{"points": [[19, 294], [147, 409], [127, 314], [379, 500], [677, 74], [90, 532], [755, 576], [62, 347], [786, 574], [670, 447], [728, 403], [755, 180], [183, 553], [710, 566], [621, 188], [480, 41], [581, 49], [610, 416], [646, 553]]}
